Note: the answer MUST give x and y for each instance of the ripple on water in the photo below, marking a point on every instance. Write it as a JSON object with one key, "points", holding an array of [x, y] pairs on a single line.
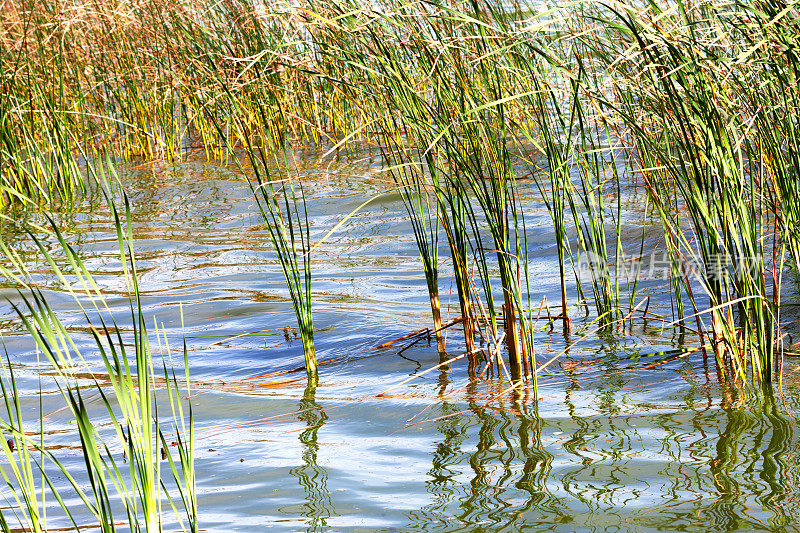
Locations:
{"points": [[612, 445]]}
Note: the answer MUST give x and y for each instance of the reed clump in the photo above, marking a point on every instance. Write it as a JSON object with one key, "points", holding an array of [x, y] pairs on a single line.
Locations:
{"points": [[123, 438], [695, 102]]}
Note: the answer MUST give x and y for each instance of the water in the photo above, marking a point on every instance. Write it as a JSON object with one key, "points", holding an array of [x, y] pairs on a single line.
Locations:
{"points": [[613, 446]]}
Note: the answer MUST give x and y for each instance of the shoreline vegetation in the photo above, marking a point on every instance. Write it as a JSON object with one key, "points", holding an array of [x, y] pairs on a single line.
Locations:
{"points": [[695, 104]]}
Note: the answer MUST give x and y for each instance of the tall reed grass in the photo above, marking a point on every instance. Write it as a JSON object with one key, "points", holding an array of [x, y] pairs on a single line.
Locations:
{"points": [[687, 97], [695, 102], [121, 380]]}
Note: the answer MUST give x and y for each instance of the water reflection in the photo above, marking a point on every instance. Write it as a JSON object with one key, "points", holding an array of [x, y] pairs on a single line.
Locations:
{"points": [[751, 459], [501, 466], [776, 472], [443, 477], [313, 478], [536, 467], [489, 469]]}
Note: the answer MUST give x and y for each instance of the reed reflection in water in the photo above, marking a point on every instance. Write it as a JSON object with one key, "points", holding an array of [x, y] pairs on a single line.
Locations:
{"points": [[313, 478], [730, 467]]}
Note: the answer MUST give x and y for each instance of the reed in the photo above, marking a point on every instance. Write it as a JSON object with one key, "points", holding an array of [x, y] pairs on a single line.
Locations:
{"points": [[460, 124], [596, 162], [129, 420], [281, 201], [717, 165], [547, 123], [694, 102], [423, 214], [409, 121], [19, 451], [283, 209], [702, 105]]}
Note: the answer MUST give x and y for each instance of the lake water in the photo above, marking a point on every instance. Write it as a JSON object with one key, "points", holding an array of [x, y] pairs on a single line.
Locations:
{"points": [[612, 446]]}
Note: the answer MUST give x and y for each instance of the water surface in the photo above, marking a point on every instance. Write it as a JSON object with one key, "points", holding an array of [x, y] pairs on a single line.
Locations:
{"points": [[611, 446]]}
